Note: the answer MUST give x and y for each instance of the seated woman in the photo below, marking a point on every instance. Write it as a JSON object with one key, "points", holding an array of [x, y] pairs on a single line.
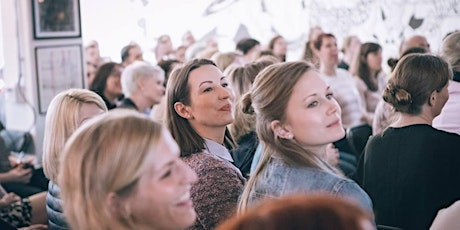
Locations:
{"points": [[123, 171], [199, 108], [107, 83], [411, 169], [293, 158], [307, 212], [66, 112]]}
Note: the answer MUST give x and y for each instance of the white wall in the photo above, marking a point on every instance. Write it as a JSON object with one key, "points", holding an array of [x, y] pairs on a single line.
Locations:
{"points": [[384, 21]]}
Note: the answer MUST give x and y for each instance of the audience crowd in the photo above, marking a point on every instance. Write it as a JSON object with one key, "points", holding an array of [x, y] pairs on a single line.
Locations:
{"points": [[204, 139]]}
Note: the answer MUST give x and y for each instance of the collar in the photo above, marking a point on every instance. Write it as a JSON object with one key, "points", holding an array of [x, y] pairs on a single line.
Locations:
{"points": [[217, 149]]}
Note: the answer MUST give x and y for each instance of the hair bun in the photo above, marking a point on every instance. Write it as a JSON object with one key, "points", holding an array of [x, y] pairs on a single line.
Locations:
{"points": [[246, 102], [397, 96]]}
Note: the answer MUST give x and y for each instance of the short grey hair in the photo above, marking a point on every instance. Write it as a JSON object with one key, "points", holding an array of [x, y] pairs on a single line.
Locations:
{"points": [[136, 71]]}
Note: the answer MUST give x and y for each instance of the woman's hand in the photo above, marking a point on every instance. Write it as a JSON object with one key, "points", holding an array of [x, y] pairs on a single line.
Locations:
{"points": [[8, 199]]}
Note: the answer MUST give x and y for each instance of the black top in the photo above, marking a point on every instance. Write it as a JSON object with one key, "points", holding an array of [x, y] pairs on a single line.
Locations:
{"points": [[109, 104], [343, 65], [410, 173], [128, 104], [244, 153]]}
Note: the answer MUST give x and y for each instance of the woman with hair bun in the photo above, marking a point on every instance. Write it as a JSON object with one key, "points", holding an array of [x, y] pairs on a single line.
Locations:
{"points": [[411, 169]]}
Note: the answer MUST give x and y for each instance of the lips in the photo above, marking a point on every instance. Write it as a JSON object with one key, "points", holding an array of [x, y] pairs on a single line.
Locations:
{"points": [[335, 123], [226, 108], [185, 200]]}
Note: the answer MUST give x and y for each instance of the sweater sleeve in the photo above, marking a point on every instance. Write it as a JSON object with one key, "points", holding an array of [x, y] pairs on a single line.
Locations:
{"points": [[216, 193]]}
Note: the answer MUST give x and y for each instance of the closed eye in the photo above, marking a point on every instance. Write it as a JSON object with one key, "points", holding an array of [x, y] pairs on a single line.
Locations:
{"points": [[209, 89]]}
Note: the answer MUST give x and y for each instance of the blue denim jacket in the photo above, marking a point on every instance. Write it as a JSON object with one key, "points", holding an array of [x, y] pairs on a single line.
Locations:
{"points": [[279, 178]]}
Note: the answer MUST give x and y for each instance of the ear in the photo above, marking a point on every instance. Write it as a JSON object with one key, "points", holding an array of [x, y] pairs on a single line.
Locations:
{"points": [[280, 131], [183, 110], [114, 205], [433, 98]]}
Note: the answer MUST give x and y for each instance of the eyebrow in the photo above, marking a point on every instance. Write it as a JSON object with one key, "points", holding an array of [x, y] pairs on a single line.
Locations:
{"points": [[204, 83], [314, 94]]}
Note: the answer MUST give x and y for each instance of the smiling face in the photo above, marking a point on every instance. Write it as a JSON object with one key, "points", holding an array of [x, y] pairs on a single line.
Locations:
{"points": [[161, 198], [211, 99], [312, 113]]}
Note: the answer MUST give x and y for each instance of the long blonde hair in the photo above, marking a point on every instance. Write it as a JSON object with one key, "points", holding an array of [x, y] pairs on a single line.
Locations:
{"points": [[61, 121], [105, 155], [268, 99]]}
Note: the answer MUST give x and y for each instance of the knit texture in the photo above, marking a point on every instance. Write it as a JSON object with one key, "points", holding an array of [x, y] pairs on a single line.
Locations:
{"points": [[216, 193]]}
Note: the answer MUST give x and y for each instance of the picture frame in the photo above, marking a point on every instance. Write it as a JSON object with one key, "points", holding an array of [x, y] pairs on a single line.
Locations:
{"points": [[56, 19], [57, 68]]}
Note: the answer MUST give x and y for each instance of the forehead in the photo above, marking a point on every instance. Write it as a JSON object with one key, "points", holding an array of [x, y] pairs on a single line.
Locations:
{"points": [[205, 73], [309, 83]]}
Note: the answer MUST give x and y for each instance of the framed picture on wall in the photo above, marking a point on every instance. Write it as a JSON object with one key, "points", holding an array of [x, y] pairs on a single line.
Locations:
{"points": [[56, 19], [57, 68]]}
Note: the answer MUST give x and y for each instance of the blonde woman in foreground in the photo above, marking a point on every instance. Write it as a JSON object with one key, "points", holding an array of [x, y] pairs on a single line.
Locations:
{"points": [[123, 171]]}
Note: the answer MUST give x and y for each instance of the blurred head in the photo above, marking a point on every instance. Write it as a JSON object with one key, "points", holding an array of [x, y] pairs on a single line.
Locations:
{"points": [[314, 33], [418, 80], [123, 171], [368, 64], [188, 39], [141, 79], [164, 47], [278, 46], [249, 47], [450, 50], [66, 112], [198, 100], [168, 66], [131, 53], [107, 80], [241, 80], [223, 60], [415, 41], [92, 51], [308, 212], [327, 51]]}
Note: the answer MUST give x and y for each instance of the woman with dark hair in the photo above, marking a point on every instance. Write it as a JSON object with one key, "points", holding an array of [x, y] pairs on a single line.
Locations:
{"points": [[411, 169], [369, 77], [199, 108], [107, 83], [278, 46]]}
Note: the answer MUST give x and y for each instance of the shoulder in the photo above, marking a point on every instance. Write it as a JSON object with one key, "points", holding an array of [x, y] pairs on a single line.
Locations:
{"points": [[343, 73], [208, 165]]}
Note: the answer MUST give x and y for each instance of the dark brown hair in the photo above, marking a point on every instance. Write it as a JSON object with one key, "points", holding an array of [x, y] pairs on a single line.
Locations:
{"points": [[100, 80], [362, 68], [415, 77], [307, 212], [178, 90]]}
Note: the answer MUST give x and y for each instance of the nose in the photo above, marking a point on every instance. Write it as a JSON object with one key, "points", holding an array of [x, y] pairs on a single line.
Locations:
{"points": [[333, 107], [225, 93]]}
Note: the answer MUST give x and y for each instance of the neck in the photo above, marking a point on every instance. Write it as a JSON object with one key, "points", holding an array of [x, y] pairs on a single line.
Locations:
{"points": [[319, 151], [216, 134], [328, 70], [408, 119], [140, 101], [110, 97]]}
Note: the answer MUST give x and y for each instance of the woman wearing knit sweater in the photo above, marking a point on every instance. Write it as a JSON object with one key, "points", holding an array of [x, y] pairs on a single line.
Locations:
{"points": [[199, 108]]}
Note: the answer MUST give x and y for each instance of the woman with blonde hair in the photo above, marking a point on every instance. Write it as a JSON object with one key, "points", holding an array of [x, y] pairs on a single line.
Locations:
{"points": [[66, 112], [293, 158], [243, 126], [123, 171], [199, 108]]}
